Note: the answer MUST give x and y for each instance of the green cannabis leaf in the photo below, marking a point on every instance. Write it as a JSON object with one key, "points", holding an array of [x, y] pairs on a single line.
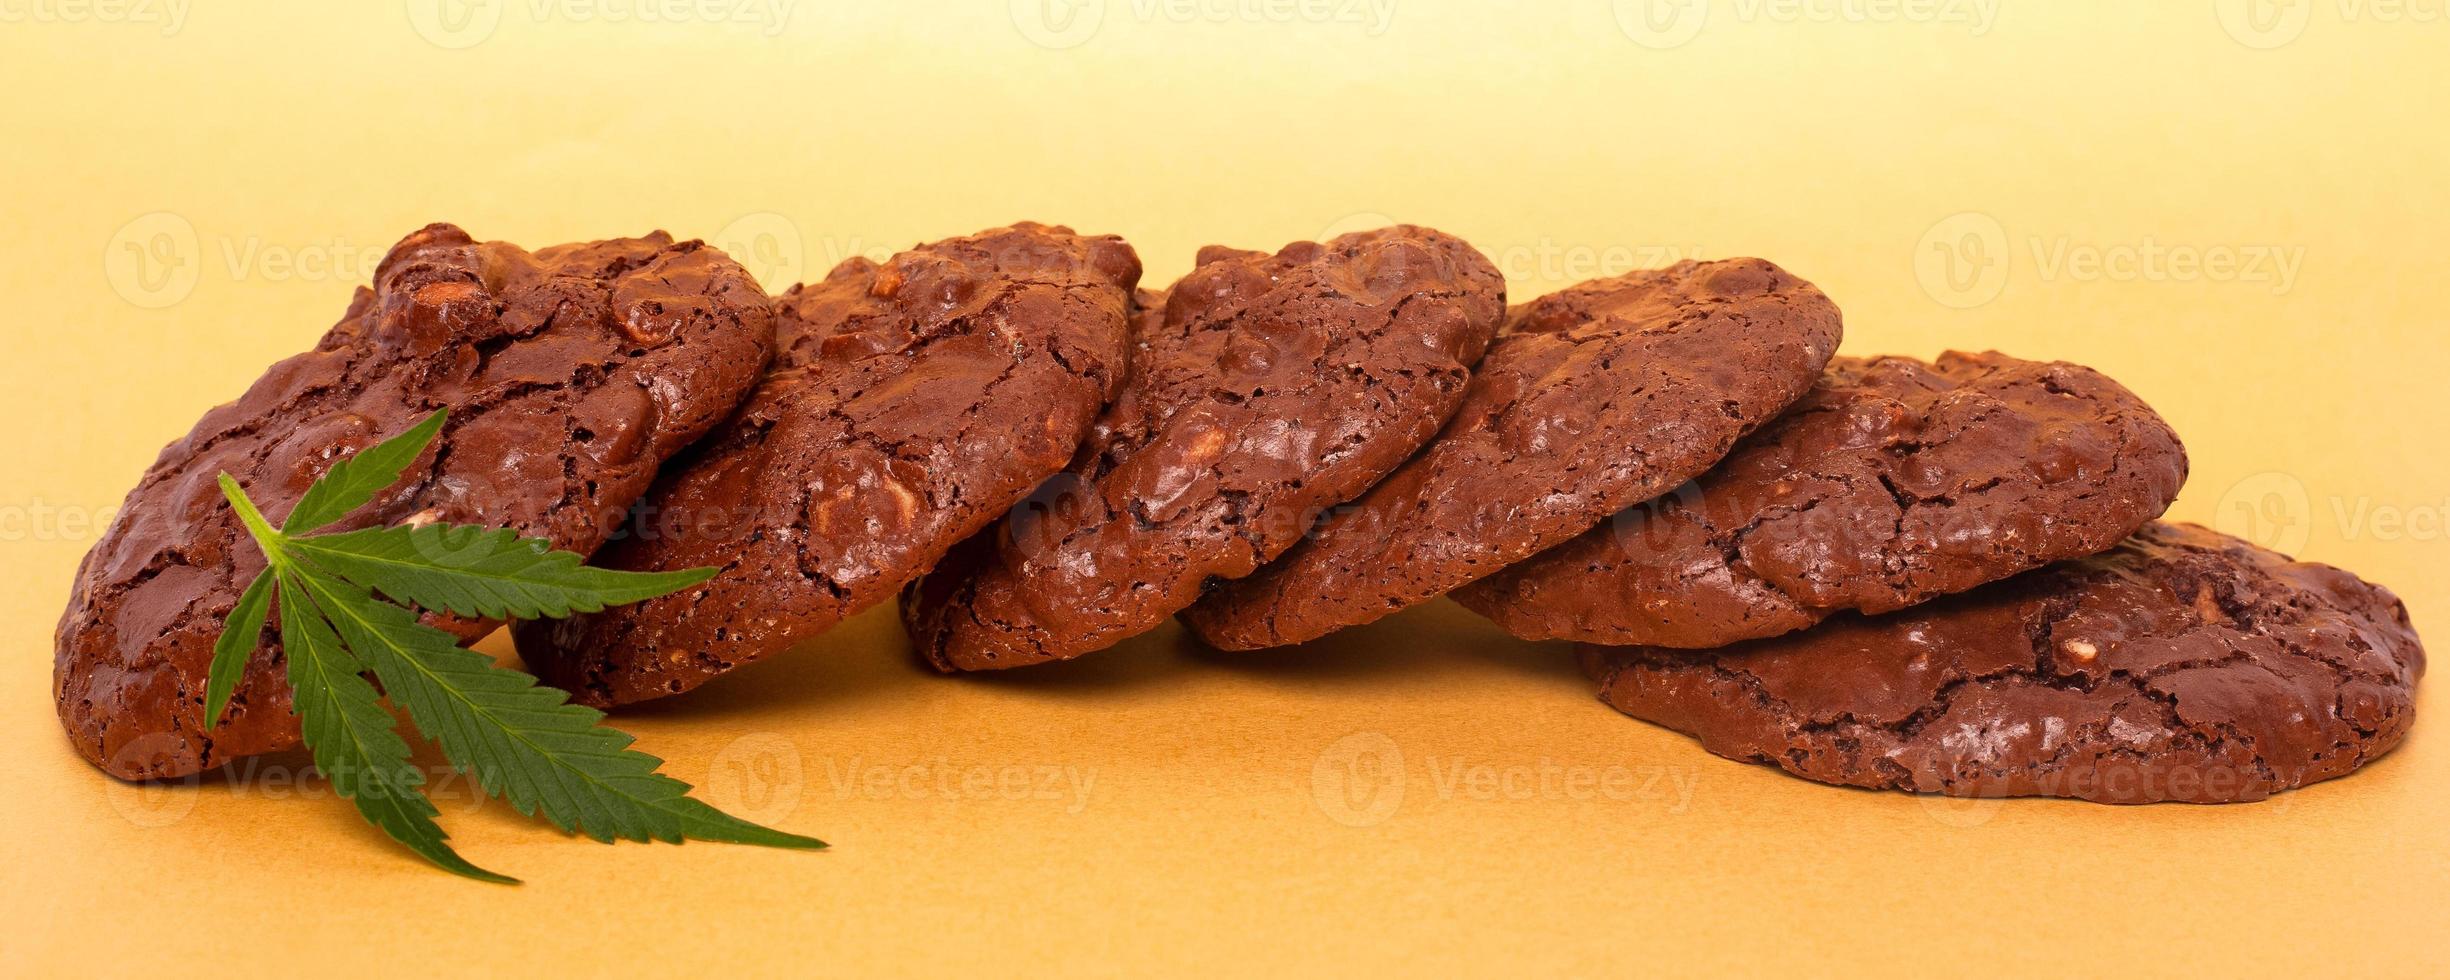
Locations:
{"points": [[354, 739], [489, 572], [351, 482], [239, 636], [523, 742]]}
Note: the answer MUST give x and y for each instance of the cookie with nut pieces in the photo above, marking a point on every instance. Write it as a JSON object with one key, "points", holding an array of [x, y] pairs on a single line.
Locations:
{"points": [[571, 374], [2184, 665], [1895, 481], [913, 402], [1264, 388], [1592, 399]]}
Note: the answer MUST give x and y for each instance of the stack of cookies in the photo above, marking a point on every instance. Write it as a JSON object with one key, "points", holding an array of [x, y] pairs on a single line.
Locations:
{"points": [[1944, 576]]}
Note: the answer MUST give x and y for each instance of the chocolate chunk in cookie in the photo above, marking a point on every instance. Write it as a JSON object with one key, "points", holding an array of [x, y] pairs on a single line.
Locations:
{"points": [[913, 403], [570, 373], [1263, 389], [2183, 666], [1591, 400], [1893, 482]]}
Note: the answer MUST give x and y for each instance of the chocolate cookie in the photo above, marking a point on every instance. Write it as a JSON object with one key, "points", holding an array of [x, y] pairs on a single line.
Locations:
{"points": [[571, 374], [1263, 388], [1891, 483], [1592, 399], [913, 403], [2183, 666]]}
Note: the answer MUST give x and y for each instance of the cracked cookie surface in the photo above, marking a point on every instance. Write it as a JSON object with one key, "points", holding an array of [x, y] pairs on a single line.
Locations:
{"points": [[2183, 665], [912, 403], [570, 373], [1263, 389], [1892, 483], [1592, 399]]}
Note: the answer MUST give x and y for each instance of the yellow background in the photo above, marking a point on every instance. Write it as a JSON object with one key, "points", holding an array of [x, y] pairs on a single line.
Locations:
{"points": [[187, 199]]}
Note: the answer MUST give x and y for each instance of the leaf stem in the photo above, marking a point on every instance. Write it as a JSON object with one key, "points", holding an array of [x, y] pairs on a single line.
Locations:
{"points": [[266, 537]]}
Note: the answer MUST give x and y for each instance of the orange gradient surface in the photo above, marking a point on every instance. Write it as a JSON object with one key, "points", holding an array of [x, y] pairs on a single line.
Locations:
{"points": [[2233, 208]]}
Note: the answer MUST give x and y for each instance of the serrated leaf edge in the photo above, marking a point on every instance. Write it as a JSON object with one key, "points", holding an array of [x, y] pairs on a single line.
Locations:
{"points": [[240, 634], [307, 666], [314, 512]]}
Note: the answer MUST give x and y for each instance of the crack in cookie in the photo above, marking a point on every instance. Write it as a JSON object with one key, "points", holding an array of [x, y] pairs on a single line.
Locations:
{"points": [[2182, 665], [913, 403], [1892, 483], [571, 374]]}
